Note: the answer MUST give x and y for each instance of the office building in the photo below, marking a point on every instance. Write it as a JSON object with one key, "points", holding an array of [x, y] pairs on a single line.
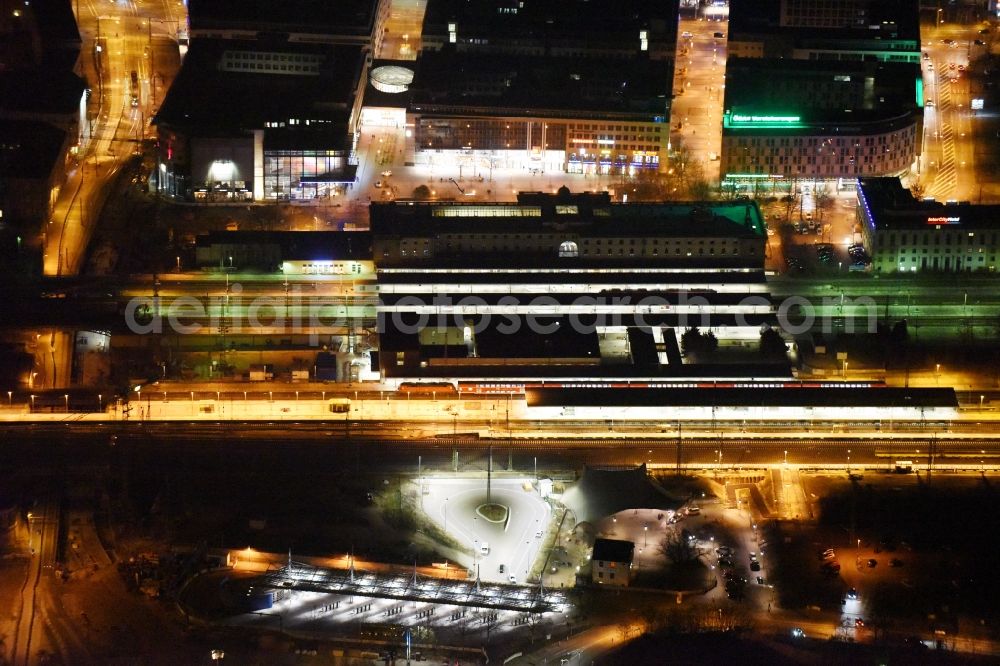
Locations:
{"points": [[883, 30], [350, 22], [261, 120], [556, 113], [619, 29], [819, 120]]}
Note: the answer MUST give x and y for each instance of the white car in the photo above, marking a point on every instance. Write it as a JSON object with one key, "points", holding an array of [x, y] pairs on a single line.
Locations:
{"points": [[378, 184], [386, 174]]}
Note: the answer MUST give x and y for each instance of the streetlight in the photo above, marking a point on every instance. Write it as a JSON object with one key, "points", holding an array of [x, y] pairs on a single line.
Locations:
{"points": [[32, 402], [10, 398], [66, 399], [786, 457], [100, 402], [848, 462], [981, 402], [31, 380]]}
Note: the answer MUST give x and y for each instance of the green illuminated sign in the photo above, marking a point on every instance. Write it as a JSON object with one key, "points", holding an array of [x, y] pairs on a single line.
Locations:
{"points": [[743, 118]]}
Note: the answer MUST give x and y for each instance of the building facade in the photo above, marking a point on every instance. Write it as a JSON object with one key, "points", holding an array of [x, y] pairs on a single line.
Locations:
{"points": [[550, 114], [905, 235], [820, 120], [261, 121], [611, 562]]}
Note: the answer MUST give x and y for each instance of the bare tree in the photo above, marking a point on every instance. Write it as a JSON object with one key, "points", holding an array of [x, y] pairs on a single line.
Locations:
{"points": [[824, 200], [678, 548]]}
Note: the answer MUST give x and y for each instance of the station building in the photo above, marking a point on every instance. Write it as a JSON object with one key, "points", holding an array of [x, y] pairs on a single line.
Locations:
{"points": [[819, 120], [332, 253], [905, 235], [261, 120], [568, 286]]}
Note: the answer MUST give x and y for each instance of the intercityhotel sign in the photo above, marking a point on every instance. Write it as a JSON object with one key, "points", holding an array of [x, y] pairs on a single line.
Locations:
{"points": [[944, 220]]}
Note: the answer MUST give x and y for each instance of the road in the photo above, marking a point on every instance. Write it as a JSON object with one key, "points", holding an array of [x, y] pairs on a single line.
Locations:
{"points": [[699, 84], [947, 168], [118, 38], [452, 503], [43, 527]]}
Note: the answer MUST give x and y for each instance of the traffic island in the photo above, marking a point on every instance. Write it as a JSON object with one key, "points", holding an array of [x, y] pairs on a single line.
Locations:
{"points": [[493, 512]]}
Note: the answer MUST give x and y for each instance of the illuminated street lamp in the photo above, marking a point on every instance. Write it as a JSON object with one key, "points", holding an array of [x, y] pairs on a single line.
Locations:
{"points": [[848, 462], [31, 380], [981, 401], [10, 398], [32, 402], [100, 402], [66, 399]]}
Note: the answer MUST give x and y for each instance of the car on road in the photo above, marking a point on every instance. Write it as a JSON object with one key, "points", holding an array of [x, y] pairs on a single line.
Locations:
{"points": [[798, 633], [872, 563], [386, 174], [859, 623], [979, 42], [755, 566], [718, 35], [927, 56], [760, 580], [895, 562], [512, 580], [929, 103], [693, 510], [379, 184], [852, 593], [538, 535], [686, 35], [484, 549], [948, 42], [503, 568]]}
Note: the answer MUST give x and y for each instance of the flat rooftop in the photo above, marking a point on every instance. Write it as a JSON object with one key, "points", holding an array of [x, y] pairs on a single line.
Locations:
{"points": [[572, 215], [21, 92], [891, 206], [345, 17], [30, 148], [880, 21], [209, 100], [746, 395], [807, 94], [578, 20], [297, 245], [520, 85]]}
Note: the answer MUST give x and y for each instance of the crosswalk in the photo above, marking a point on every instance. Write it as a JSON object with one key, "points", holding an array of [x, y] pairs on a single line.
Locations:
{"points": [[946, 178]]}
